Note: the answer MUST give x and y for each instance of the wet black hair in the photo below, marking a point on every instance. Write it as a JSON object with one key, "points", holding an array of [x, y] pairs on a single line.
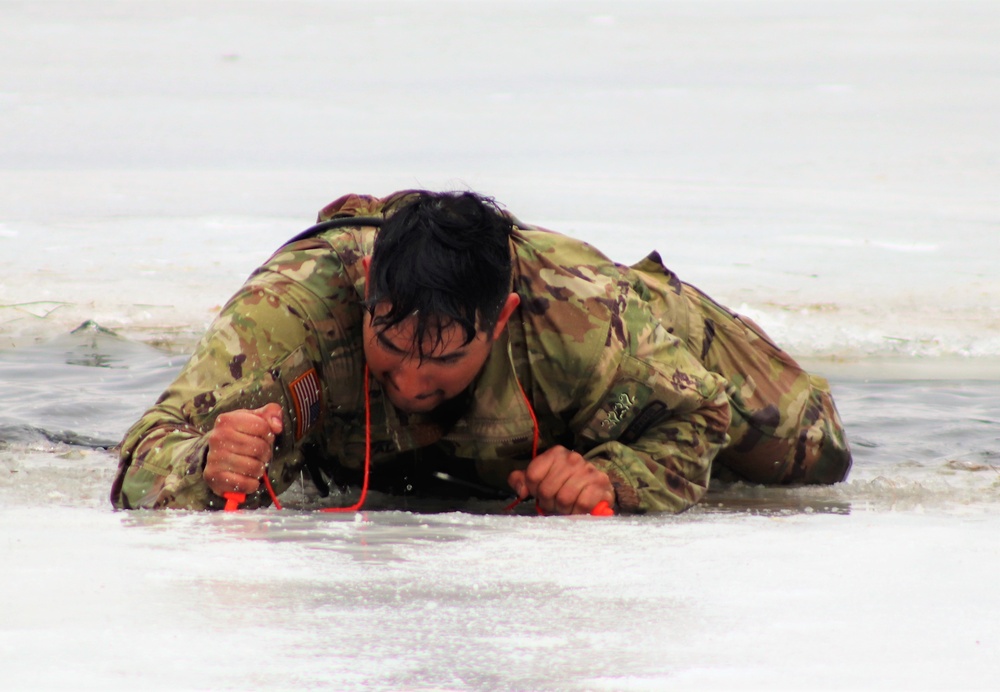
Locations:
{"points": [[444, 258]]}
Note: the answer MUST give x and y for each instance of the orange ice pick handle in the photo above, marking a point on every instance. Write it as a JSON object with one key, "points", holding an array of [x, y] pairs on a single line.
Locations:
{"points": [[233, 501], [603, 509]]}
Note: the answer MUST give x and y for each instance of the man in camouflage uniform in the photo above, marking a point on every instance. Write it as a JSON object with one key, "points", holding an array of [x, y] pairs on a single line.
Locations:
{"points": [[628, 383]]}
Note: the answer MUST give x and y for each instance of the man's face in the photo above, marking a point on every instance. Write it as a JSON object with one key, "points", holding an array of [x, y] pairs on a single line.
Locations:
{"points": [[418, 385]]}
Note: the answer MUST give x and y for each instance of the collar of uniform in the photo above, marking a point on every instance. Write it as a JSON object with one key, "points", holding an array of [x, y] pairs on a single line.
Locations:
{"points": [[498, 412]]}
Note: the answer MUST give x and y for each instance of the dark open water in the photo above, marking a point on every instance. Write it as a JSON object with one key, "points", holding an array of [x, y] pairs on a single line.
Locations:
{"points": [[914, 441]]}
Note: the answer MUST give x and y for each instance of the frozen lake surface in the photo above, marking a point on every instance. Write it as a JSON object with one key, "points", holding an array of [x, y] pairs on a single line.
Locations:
{"points": [[828, 168]]}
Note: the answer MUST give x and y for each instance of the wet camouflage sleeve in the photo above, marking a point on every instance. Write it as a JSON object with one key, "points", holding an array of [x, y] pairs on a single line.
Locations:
{"points": [[660, 417], [264, 341], [637, 403]]}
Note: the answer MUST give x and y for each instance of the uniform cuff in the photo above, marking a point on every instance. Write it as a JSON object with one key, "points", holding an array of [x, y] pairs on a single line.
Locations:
{"points": [[626, 495]]}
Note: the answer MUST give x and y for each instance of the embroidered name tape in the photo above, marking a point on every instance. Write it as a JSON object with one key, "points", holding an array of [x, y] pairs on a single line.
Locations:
{"points": [[620, 408]]}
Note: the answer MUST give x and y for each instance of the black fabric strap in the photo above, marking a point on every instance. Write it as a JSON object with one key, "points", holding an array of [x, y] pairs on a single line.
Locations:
{"points": [[341, 222]]}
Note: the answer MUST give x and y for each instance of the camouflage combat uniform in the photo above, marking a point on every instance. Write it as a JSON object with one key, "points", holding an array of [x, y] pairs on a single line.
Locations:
{"points": [[644, 375]]}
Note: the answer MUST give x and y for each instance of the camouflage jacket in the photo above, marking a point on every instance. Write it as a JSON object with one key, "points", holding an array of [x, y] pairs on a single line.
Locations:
{"points": [[602, 351]]}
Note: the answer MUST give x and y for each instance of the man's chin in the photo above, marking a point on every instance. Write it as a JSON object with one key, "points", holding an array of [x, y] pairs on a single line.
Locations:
{"points": [[416, 406]]}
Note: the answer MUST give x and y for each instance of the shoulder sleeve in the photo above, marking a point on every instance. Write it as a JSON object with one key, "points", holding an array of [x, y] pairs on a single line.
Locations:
{"points": [[364, 205], [651, 415], [269, 339]]}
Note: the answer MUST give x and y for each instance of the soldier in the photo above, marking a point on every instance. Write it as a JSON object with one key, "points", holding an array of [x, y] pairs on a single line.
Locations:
{"points": [[433, 335]]}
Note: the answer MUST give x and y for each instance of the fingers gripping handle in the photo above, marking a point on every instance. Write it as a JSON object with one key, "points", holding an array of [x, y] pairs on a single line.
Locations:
{"points": [[602, 509]]}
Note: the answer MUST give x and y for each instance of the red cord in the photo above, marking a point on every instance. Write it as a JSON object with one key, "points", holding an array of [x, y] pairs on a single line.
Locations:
{"points": [[602, 509], [270, 491], [534, 443], [534, 419], [368, 454], [233, 500]]}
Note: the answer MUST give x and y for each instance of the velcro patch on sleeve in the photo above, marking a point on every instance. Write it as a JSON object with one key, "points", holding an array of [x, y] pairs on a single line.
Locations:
{"points": [[306, 397], [654, 412]]}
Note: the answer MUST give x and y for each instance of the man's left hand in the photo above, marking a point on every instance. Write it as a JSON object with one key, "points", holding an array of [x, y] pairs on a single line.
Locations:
{"points": [[563, 482]]}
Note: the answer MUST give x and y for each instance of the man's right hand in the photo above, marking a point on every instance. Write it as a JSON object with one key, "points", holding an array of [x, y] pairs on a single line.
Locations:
{"points": [[240, 447]]}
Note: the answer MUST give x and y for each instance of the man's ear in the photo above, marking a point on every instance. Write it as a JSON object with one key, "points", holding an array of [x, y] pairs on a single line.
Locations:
{"points": [[509, 306]]}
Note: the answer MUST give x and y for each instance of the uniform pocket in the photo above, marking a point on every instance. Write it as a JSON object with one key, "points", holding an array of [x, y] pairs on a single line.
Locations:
{"points": [[630, 405]]}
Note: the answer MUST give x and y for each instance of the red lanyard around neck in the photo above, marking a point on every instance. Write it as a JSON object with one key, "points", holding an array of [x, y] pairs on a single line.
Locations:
{"points": [[233, 500]]}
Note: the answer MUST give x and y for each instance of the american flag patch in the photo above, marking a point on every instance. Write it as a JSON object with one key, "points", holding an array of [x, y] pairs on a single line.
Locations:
{"points": [[306, 397]]}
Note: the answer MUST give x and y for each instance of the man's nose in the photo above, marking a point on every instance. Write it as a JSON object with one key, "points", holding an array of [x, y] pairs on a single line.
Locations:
{"points": [[408, 379]]}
